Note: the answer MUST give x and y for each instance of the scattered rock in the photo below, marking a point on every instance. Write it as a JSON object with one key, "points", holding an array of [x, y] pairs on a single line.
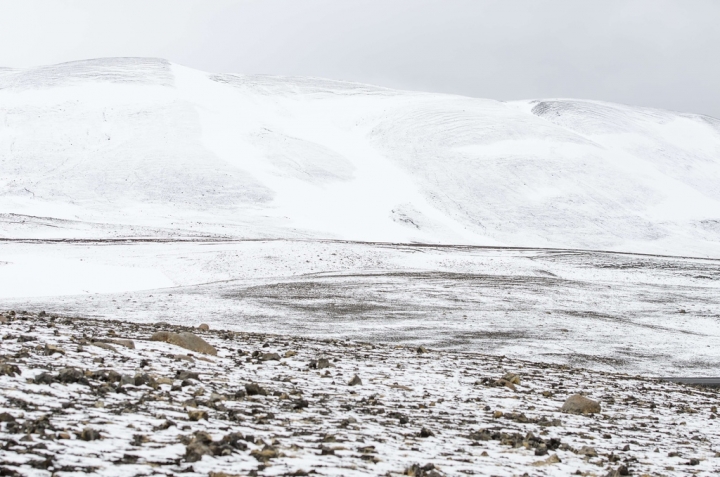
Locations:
{"points": [[198, 447], [197, 415], [553, 459], [269, 357], [215, 397], [122, 342], [183, 375], [507, 384], [71, 375], [427, 470], [511, 378], [322, 363], [588, 451], [267, 453], [102, 345], [139, 439], [138, 405], [578, 404], [6, 417], [44, 378], [185, 340], [300, 404], [165, 425], [253, 389], [9, 370], [620, 471], [142, 379], [234, 440], [421, 350], [355, 381], [51, 349], [90, 434]]}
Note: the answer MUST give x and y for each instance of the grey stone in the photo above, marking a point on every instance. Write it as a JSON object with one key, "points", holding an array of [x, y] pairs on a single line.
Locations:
{"points": [[270, 357]]}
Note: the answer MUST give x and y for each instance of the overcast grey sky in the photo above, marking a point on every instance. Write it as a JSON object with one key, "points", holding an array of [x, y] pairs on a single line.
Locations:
{"points": [[658, 53]]}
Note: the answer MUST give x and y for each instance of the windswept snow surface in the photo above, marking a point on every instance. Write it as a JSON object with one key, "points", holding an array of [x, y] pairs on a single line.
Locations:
{"points": [[658, 316], [271, 204], [143, 143]]}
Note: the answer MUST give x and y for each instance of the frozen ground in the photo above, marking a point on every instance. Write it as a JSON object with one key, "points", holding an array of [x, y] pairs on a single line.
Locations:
{"points": [[617, 312], [85, 404]]}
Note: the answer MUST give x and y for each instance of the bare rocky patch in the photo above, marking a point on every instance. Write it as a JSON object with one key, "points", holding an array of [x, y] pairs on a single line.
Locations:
{"points": [[283, 405]]}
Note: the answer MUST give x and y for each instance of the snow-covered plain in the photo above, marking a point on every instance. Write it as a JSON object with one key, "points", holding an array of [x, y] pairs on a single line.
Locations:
{"points": [[143, 190], [615, 312]]}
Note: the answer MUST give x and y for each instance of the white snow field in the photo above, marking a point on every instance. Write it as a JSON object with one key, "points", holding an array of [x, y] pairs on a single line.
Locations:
{"points": [[145, 144], [138, 189]]}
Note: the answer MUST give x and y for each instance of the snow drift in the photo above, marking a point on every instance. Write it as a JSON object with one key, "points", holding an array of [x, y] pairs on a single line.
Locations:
{"points": [[126, 147]]}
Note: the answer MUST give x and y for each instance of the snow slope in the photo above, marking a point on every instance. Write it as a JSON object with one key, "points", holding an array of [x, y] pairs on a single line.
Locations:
{"points": [[124, 147]]}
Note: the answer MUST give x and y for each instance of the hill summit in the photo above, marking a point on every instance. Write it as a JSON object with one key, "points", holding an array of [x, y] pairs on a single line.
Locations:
{"points": [[124, 147]]}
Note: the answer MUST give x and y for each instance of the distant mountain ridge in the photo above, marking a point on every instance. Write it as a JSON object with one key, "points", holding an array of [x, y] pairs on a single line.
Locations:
{"points": [[141, 145]]}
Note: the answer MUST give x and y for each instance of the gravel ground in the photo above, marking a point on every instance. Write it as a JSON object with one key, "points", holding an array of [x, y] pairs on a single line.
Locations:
{"points": [[84, 396]]}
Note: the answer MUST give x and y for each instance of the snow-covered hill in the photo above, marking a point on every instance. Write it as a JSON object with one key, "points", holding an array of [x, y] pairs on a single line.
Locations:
{"points": [[142, 147]]}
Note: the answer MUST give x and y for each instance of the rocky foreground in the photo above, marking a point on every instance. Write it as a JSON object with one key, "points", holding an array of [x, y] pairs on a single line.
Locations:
{"points": [[81, 396]]}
